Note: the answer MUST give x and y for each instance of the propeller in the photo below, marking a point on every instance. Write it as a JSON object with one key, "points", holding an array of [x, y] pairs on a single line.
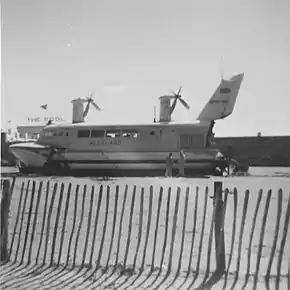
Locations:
{"points": [[176, 97], [90, 101]]}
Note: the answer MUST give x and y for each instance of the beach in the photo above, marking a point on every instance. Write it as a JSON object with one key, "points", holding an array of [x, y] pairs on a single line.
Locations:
{"points": [[157, 225]]}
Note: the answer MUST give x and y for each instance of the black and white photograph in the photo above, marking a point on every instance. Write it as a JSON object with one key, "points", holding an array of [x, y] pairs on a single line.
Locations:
{"points": [[145, 144]]}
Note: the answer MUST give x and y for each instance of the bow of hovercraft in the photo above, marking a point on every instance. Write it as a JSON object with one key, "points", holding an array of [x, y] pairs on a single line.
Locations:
{"points": [[31, 156]]}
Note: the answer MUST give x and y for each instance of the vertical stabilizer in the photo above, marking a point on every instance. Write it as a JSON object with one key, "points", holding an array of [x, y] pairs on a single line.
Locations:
{"points": [[223, 100]]}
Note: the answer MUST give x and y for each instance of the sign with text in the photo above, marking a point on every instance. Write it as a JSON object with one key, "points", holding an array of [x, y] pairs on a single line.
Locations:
{"points": [[105, 142], [45, 119]]}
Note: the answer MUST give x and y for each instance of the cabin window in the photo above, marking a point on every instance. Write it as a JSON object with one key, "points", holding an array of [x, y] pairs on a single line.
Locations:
{"points": [[113, 133], [97, 133], [48, 134], [66, 133], [54, 133], [130, 133], [60, 134], [83, 133]]}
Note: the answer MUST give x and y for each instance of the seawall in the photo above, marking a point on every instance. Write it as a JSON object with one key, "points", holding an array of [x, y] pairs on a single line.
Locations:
{"points": [[257, 150]]}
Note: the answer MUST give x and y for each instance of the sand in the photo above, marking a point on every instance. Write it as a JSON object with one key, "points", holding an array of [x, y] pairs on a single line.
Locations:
{"points": [[128, 247]]}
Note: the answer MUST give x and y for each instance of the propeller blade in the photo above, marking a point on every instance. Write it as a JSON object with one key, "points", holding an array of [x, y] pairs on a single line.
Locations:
{"points": [[90, 98], [179, 91], [87, 109], [96, 106], [173, 106], [184, 103]]}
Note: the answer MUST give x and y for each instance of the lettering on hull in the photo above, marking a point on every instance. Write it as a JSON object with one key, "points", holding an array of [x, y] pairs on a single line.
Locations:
{"points": [[218, 101], [105, 142]]}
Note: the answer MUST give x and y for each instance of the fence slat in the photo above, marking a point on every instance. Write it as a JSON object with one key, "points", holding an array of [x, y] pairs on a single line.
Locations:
{"points": [[173, 230], [64, 223], [193, 231], [283, 242], [43, 221], [202, 232], [96, 225], [252, 234], [121, 225], [235, 193], [113, 226], [243, 221], [98, 263], [148, 228], [219, 227], [140, 227], [264, 221], [56, 224], [275, 237], [5, 205], [17, 218], [28, 221], [34, 221], [73, 225], [22, 220], [12, 185], [88, 226], [55, 186], [156, 227], [288, 282], [166, 229], [80, 224], [183, 229], [130, 225]]}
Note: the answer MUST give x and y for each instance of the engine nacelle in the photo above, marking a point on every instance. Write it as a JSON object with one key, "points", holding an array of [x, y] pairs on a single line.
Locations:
{"points": [[164, 113], [78, 110]]}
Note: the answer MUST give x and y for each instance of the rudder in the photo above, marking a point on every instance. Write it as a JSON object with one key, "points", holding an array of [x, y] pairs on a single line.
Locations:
{"points": [[223, 100]]}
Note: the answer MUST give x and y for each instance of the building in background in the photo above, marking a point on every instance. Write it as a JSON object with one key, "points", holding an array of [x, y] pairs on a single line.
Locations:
{"points": [[256, 150]]}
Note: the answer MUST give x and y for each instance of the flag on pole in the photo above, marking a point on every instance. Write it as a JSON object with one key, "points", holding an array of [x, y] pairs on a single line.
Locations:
{"points": [[44, 107]]}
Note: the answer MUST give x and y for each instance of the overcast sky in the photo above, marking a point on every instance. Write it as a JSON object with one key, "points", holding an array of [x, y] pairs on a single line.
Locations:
{"points": [[129, 52]]}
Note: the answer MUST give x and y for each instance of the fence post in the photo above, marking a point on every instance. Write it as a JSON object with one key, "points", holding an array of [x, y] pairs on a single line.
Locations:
{"points": [[5, 203], [219, 227]]}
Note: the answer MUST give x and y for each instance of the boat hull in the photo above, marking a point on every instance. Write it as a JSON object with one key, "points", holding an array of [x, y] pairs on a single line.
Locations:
{"points": [[35, 156], [30, 154]]}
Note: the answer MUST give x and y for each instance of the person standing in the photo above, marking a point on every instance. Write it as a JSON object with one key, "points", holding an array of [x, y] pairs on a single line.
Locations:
{"points": [[169, 164], [181, 162]]}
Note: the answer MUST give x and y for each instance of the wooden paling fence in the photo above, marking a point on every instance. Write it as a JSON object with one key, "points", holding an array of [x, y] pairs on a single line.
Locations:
{"points": [[57, 235]]}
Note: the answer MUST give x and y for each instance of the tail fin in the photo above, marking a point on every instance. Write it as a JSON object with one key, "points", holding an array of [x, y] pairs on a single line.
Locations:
{"points": [[223, 100]]}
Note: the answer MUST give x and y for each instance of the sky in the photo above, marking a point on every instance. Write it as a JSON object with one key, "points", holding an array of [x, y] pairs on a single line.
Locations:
{"points": [[130, 52]]}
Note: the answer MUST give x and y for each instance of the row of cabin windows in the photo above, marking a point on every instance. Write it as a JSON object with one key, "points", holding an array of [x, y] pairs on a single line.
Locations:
{"points": [[55, 133], [95, 133], [107, 133]]}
